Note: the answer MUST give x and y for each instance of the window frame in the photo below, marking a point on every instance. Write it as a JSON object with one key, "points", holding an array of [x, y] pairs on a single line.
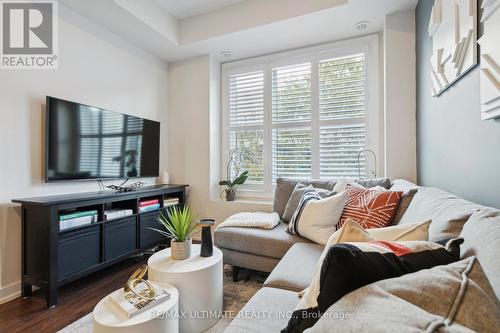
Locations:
{"points": [[369, 45]]}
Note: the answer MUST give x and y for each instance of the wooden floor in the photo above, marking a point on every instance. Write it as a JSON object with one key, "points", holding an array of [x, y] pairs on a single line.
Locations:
{"points": [[75, 301]]}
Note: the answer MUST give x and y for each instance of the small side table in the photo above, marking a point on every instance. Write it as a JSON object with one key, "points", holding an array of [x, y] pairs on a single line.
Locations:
{"points": [[161, 318], [199, 281]]}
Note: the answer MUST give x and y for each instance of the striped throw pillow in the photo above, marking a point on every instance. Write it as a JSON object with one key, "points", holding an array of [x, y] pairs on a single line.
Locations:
{"points": [[309, 195]]}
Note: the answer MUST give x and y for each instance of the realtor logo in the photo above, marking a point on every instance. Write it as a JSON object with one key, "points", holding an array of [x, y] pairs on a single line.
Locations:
{"points": [[29, 34]]}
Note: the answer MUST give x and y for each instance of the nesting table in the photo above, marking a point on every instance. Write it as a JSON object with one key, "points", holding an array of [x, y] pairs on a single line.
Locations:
{"points": [[199, 282]]}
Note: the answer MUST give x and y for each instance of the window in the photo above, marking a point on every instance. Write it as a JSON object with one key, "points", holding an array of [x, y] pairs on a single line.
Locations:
{"points": [[302, 114]]}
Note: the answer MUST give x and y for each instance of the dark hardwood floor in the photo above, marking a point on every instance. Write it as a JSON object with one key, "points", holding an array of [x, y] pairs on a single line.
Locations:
{"points": [[75, 301]]}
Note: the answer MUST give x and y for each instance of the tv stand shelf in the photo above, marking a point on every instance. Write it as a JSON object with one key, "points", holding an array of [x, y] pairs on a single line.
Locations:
{"points": [[53, 257]]}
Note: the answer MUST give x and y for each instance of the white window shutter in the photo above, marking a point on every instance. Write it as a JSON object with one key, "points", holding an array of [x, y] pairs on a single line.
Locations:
{"points": [[246, 123], [342, 88], [291, 103], [342, 112], [291, 91]]}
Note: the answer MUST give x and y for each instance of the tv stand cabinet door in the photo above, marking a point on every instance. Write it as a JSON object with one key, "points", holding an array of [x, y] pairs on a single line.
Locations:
{"points": [[150, 238], [120, 237]]}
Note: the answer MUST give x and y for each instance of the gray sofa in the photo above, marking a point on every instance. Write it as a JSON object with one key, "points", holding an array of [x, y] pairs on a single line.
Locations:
{"points": [[291, 261]]}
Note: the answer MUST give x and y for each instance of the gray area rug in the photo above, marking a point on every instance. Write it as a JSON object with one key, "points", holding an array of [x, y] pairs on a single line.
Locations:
{"points": [[236, 295]]}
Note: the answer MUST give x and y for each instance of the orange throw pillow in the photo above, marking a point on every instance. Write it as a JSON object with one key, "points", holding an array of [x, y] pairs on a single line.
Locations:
{"points": [[370, 208]]}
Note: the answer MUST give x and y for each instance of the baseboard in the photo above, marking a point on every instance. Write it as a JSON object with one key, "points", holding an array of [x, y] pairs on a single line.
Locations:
{"points": [[10, 292]]}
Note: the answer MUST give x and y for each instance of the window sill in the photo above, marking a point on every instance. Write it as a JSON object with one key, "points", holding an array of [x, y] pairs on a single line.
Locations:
{"points": [[248, 201]]}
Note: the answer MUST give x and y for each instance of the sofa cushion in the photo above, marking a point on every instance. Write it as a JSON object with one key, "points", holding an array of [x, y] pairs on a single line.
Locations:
{"points": [[285, 187], [295, 197], [447, 212], [294, 272], [349, 266], [449, 298], [248, 260], [409, 190], [371, 208], [315, 218], [481, 233], [264, 242], [353, 232], [264, 312]]}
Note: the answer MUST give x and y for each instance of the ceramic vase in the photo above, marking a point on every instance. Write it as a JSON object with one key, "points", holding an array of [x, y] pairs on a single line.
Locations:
{"points": [[180, 250]]}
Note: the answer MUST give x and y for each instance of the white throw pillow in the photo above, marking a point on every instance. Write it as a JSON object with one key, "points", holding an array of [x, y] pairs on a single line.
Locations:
{"points": [[317, 219], [353, 232]]}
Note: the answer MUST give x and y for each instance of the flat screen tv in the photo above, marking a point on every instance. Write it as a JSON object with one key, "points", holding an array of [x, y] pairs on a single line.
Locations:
{"points": [[85, 142]]}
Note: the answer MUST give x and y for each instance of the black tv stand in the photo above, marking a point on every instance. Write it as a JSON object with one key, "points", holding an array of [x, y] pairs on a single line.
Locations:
{"points": [[53, 257]]}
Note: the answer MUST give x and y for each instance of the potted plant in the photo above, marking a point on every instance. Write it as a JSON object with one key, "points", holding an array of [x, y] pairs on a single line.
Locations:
{"points": [[179, 224], [240, 177]]}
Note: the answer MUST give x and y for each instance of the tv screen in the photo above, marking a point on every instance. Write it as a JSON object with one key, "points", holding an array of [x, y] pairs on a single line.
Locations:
{"points": [[85, 142]]}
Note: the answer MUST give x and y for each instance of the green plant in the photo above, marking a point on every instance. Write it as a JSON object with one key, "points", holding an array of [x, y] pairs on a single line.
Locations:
{"points": [[238, 179], [179, 223]]}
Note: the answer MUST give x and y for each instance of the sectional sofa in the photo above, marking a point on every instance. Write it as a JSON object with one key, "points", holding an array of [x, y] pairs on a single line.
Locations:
{"points": [[291, 261]]}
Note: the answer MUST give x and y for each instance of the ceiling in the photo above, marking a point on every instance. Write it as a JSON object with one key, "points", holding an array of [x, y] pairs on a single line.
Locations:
{"points": [[173, 30], [181, 9]]}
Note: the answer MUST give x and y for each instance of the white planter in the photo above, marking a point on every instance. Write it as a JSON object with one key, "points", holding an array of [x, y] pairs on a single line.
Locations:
{"points": [[181, 250]]}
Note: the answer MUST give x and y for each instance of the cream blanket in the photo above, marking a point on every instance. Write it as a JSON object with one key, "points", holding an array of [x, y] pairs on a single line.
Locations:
{"points": [[252, 220]]}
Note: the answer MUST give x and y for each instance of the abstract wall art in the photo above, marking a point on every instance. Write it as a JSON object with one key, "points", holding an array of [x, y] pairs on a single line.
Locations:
{"points": [[490, 59], [453, 28]]}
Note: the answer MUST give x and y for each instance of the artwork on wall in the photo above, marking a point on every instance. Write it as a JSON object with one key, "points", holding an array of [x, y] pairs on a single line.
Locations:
{"points": [[453, 28], [490, 59]]}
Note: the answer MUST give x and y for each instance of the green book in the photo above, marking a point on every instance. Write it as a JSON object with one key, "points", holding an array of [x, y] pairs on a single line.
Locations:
{"points": [[77, 214]]}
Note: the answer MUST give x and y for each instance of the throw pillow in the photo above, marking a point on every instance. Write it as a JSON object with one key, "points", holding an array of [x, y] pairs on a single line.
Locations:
{"points": [[297, 193], [353, 232], [352, 265], [316, 218], [285, 186], [369, 207], [449, 298], [409, 190], [379, 183]]}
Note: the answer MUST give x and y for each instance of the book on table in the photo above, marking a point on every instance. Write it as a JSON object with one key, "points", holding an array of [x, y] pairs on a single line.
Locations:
{"points": [[130, 305]]}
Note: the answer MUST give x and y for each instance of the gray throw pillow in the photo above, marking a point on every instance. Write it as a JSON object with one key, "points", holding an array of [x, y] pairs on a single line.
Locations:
{"points": [[285, 186], [383, 182], [294, 200]]}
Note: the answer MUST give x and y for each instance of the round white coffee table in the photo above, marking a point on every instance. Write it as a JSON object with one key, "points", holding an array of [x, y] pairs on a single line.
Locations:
{"points": [[162, 318], [199, 281]]}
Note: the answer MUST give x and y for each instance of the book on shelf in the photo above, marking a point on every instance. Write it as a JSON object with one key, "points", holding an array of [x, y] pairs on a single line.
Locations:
{"points": [[148, 202], [69, 216], [130, 305], [170, 202], [149, 208], [77, 221], [111, 214]]}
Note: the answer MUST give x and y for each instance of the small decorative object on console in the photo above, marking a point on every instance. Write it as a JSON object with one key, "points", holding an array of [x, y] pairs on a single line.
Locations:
{"points": [[207, 246], [129, 188]]}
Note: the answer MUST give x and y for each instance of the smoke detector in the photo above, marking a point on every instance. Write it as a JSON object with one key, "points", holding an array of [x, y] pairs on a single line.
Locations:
{"points": [[226, 54], [361, 26]]}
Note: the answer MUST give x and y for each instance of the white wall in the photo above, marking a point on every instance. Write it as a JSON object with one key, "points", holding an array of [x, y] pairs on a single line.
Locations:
{"points": [[399, 96], [193, 133], [91, 70]]}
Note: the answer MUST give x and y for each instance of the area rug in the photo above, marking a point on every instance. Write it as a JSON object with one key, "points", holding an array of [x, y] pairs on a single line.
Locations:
{"points": [[236, 295]]}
